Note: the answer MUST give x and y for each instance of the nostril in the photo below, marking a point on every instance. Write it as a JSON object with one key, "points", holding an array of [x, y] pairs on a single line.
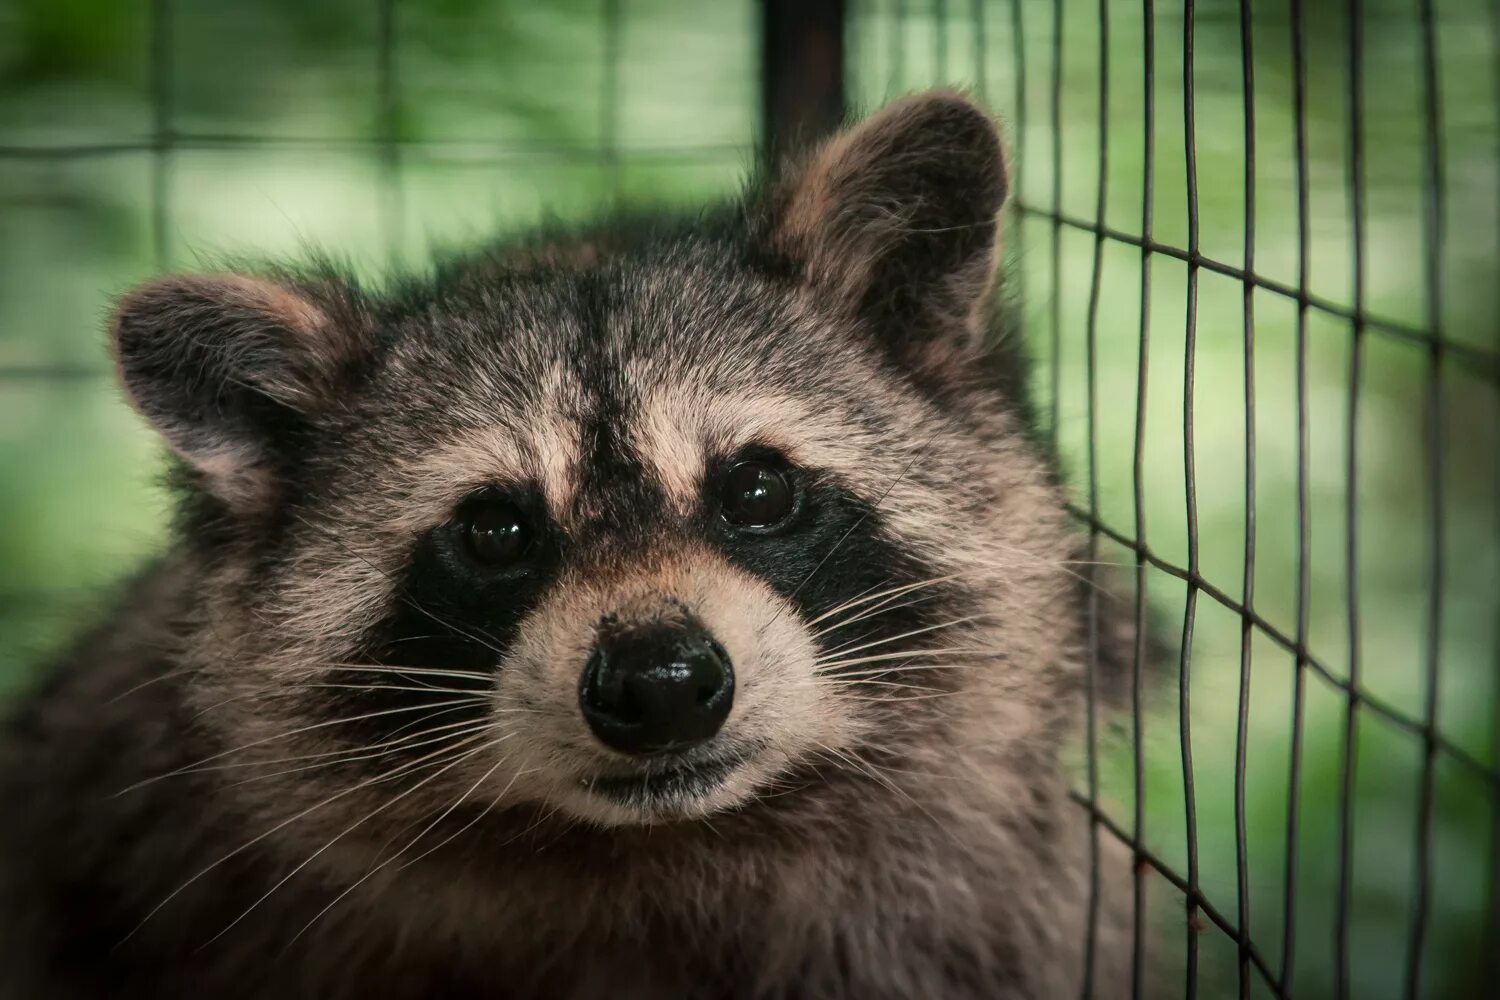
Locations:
{"points": [[605, 692], [628, 708], [709, 670]]}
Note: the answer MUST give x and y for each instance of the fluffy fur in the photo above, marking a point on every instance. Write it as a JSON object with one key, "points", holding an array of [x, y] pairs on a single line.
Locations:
{"points": [[315, 753]]}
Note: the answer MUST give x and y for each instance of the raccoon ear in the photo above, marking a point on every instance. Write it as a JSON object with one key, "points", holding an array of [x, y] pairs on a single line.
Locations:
{"points": [[896, 218], [224, 366]]}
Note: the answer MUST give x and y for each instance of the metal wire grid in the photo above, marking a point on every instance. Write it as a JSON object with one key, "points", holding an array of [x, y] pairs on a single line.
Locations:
{"points": [[389, 147], [1483, 363], [390, 150]]}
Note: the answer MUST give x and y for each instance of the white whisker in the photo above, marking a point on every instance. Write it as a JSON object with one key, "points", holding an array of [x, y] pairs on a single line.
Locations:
{"points": [[360, 668], [234, 765], [287, 735], [876, 611], [898, 668], [473, 727], [390, 776], [318, 685], [896, 699], [905, 635], [867, 767], [448, 766], [905, 655], [892, 592], [150, 681], [425, 830]]}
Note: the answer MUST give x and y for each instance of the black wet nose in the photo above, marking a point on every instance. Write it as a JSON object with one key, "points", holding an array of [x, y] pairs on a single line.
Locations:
{"points": [[656, 688]]}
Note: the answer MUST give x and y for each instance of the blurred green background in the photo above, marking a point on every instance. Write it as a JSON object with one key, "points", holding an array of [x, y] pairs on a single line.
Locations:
{"points": [[288, 130]]}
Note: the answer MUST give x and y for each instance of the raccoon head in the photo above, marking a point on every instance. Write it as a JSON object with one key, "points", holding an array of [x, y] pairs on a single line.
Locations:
{"points": [[669, 520]]}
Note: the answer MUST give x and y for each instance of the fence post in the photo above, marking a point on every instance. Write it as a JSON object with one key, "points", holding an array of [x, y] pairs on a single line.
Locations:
{"points": [[802, 70]]}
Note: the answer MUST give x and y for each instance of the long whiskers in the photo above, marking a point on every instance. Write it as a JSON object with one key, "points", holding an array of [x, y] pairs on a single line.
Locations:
{"points": [[374, 668], [839, 664], [419, 764], [853, 527], [341, 752], [406, 747], [343, 720], [425, 830], [426, 689], [889, 594], [296, 689], [413, 674], [450, 765], [845, 649], [867, 767], [165, 676]]}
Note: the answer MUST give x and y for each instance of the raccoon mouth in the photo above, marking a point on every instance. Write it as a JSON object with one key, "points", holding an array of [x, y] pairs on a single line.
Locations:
{"points": [[676, 782]]}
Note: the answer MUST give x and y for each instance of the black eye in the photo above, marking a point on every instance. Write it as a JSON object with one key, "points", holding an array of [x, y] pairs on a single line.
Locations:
{"points": [[755, 495], [498, 534]]}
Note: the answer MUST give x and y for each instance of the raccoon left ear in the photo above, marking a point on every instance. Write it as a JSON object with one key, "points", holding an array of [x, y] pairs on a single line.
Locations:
{"points": [[227, 367], [896, 220]]}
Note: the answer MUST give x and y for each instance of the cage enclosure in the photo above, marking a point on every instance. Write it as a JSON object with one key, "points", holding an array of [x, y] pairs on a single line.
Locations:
{"points": [[1252, 251]]}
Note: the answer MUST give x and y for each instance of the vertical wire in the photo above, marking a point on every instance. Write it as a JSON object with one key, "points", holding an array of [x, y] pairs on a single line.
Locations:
{"points": [[609, 100], [1091, 334], [392, 209], [1018, 160], [1299, 681], [981, 52], [1490, 943], [1018, 63], [163, 136], [854, 30], [1056, 303], [1190, 605], [1242, 724], [1294, 781], [940, 39], [1356, 182], [1138, 899], [898, 49], [1432, 238]]}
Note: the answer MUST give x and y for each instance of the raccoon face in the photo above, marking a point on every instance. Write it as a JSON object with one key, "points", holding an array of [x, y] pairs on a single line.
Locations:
{"points": [[660, 523]]}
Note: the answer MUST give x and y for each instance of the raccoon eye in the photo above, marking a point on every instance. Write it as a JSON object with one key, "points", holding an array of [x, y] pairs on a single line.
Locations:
{"points": [[755, 495], [497, 533]]}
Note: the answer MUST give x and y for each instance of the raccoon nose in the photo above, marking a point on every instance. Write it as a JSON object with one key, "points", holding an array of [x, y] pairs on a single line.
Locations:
{"points": [[656, 689]]}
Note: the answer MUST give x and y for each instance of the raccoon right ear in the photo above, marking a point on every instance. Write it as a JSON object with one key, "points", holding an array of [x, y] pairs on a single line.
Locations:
{"points": [[224, 366], [895, 219]]}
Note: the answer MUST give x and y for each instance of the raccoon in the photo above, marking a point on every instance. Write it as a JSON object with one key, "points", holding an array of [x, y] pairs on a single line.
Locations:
{"points": [[675, 606]]}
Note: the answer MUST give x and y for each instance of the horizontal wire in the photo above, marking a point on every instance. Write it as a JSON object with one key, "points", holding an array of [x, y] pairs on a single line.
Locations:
{"points": [[1484, 363], [483, 151], [47, 372], [1490, 774]]}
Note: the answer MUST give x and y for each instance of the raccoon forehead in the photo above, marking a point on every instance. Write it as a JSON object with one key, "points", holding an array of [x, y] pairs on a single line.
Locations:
{"points": [[674, 430]]}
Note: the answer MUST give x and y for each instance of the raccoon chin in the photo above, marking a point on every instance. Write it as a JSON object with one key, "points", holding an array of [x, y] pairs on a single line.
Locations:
{"points": [[672, 790]]}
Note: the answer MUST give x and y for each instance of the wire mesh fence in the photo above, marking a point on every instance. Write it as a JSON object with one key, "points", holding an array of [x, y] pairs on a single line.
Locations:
{"points": [[1242, 231], [1253, 250]]}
